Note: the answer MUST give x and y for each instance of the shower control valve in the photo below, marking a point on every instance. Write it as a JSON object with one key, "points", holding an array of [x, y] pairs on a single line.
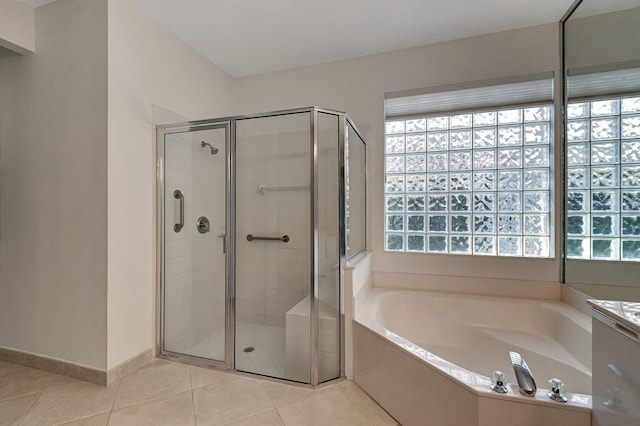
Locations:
{"points": [[557, 390], [202, 225], [499, 382]]}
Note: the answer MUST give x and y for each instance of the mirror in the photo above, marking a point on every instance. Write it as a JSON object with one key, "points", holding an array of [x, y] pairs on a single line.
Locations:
{"points": [[602, 148], [356, 203]]}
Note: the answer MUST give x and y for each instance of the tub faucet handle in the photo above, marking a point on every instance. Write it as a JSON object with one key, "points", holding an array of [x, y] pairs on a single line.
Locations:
{"points": [[557, 390], [499, 382]]}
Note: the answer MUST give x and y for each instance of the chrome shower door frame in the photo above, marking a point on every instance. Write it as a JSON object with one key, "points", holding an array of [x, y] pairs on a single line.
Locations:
{"points": [[161, 132], [229, 124]]}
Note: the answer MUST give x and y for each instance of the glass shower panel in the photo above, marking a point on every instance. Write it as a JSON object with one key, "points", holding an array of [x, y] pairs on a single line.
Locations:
{"points": [[328, 168], [356, 220], [273, 158], [194, 255]]}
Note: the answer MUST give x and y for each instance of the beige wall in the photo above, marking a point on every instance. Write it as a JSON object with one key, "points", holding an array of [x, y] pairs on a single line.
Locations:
{"points": [[17, 32], [148, 66], [602, 39], [357, 86], [53, 181]]}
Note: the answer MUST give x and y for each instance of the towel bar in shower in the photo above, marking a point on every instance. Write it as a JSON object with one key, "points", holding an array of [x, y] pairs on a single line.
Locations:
{"points": [[284, 238]]}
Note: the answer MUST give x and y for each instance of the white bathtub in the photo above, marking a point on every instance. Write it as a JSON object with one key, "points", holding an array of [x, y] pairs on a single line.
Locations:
{"points": [[445, 346]]}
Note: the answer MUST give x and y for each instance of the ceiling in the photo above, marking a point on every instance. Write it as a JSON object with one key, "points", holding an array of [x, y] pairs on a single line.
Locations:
{"points": [[246, 37], [256, 36]]}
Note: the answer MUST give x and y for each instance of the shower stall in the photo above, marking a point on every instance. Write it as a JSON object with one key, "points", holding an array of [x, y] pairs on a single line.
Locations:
{"points": [[257, 216]]}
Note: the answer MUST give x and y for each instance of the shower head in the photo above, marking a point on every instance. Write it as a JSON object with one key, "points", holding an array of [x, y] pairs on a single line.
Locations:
{"points": [[214, 151]]}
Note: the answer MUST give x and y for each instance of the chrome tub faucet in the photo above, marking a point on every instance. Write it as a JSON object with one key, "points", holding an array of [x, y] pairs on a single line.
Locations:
{"points": [[523, 375]]}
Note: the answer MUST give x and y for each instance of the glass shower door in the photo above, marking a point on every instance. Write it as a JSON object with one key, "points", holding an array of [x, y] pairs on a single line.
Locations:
{"points": [[273, 233], [194, 261]]}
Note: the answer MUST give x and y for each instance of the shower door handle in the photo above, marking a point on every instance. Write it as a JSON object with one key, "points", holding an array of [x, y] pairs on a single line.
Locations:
{"points": [[284, 238], [177, 194], [224, 242]]}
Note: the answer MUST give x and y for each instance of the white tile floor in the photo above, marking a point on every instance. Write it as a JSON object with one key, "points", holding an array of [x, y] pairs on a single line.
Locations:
{"points": [[169, 393]]}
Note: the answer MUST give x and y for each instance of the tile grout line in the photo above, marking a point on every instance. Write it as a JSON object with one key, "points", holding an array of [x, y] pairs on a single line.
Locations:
{"points": [[267, 393], [24, 416], [19, 396], [280, 416], [168, 391], [357, 405], [22, 419], [275, 407], [193, 399], [115, 398]]}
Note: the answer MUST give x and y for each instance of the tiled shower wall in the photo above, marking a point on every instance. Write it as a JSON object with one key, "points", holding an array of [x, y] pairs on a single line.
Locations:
{"points": [[272, 276]]}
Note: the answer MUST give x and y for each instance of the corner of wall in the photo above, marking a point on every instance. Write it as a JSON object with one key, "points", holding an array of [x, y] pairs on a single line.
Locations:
{"points": [[17, 27], [146, 85]]}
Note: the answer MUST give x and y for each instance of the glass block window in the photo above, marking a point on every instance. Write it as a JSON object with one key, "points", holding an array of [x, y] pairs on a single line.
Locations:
{"points": [[603, 179], [473, 183]]}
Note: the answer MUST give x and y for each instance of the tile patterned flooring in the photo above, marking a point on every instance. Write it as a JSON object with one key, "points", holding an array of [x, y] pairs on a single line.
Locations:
{"points": [[170, 393]]}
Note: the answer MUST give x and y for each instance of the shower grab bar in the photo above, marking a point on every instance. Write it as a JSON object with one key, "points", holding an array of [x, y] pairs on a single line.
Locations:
{"points": [[177, 194], [284, 238]]}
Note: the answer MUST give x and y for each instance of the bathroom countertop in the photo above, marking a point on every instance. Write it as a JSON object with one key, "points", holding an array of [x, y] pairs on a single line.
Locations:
{"points": [[628, 313]]}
